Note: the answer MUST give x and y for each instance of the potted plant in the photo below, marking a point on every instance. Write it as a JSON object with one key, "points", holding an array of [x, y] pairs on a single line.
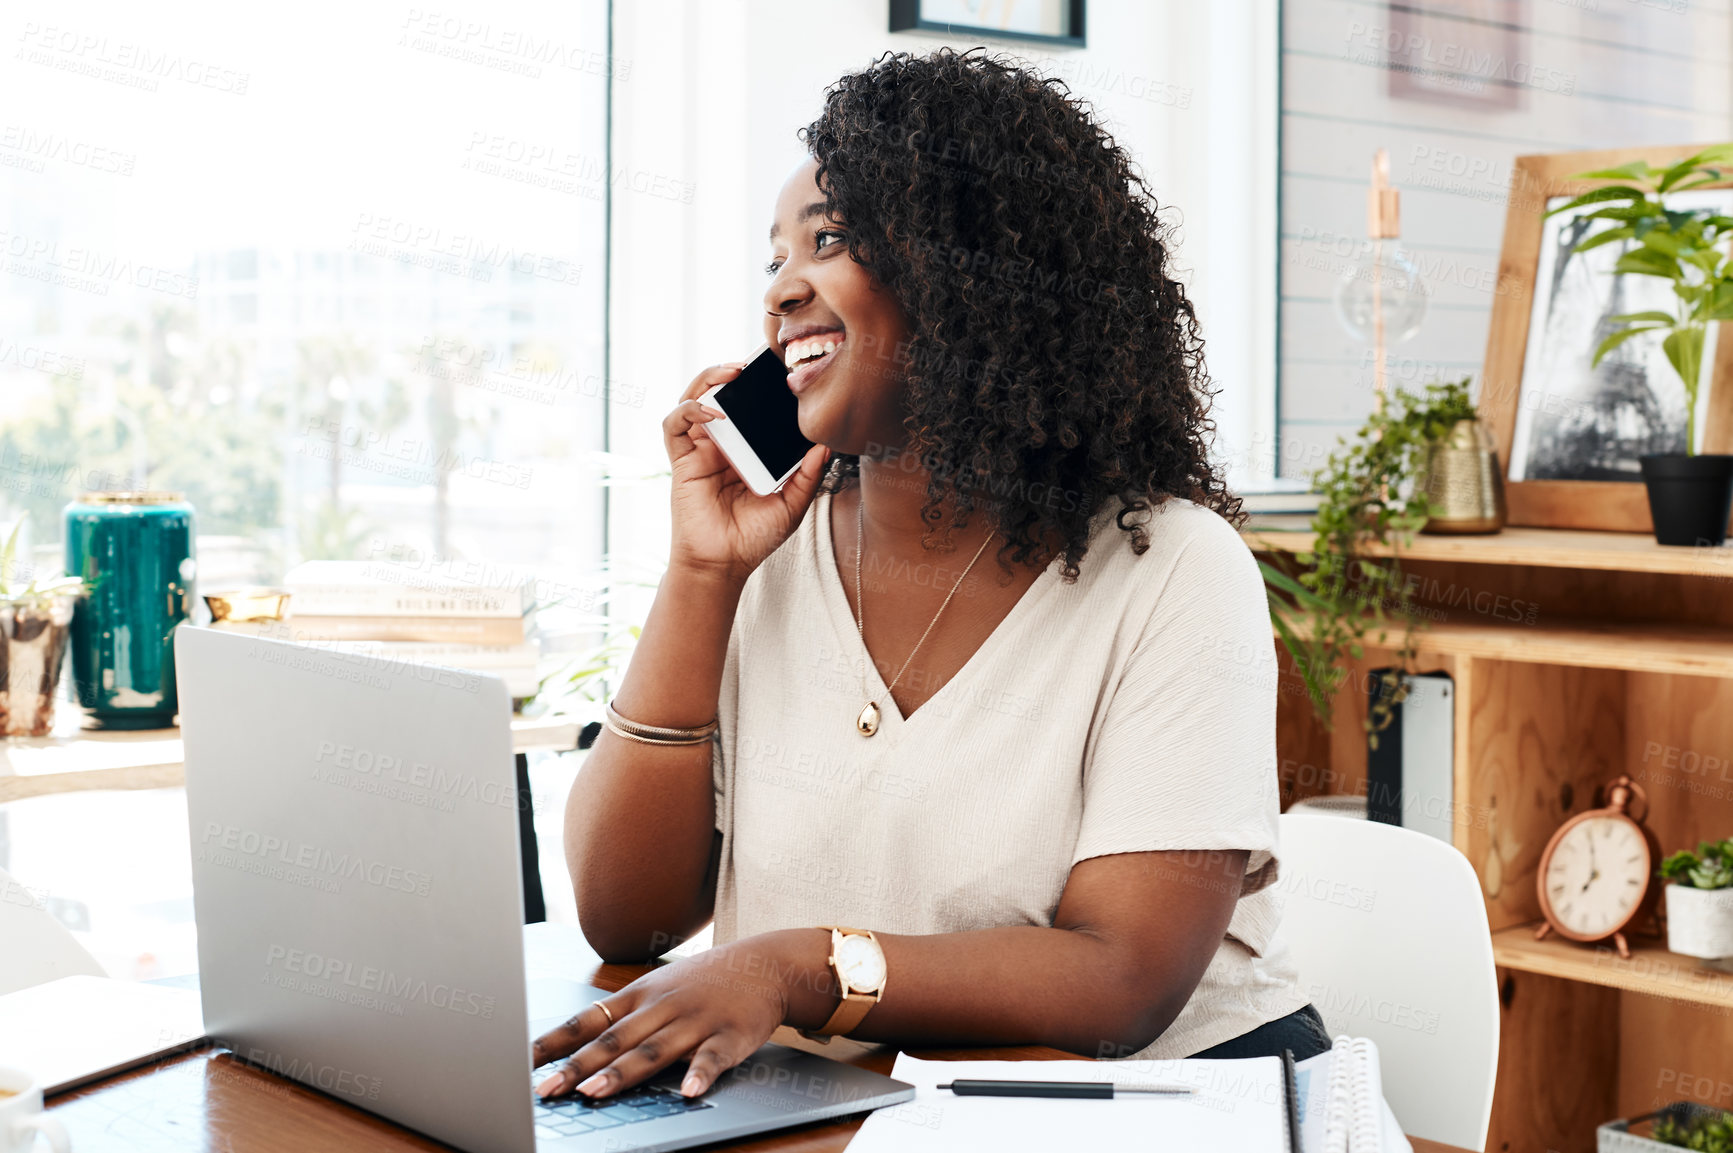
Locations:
{"points": [[1367, 493], [1690, 494], [34, 619], [1681, 1125], [1700, 900], [1702, 1128]]}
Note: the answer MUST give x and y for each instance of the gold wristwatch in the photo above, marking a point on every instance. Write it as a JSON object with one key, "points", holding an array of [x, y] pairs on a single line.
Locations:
{"points": [[859, 964]]}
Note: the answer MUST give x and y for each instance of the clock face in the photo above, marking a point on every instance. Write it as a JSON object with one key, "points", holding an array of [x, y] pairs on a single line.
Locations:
{"points": [[1597, 875], [861, 962]]}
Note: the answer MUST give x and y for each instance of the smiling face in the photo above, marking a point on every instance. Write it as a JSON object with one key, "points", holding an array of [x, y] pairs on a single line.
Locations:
{"points": [[836, 328]]}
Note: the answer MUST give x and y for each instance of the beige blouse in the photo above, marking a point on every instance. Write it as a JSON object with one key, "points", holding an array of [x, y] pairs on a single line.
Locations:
{"points": [[1132, 711]]}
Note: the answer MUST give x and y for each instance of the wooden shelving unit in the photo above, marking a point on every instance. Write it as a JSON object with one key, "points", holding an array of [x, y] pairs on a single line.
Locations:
{"points": [[1686, 650], [1576, 656], [1650, 969], [1540, 547]]}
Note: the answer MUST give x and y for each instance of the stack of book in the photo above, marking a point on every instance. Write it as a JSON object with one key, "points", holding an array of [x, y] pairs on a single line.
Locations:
{"points": [[1280, 504], [408, 614]]}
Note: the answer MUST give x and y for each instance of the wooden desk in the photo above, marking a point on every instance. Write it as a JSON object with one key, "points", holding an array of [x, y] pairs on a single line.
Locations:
{"points": [[207, 1101]]}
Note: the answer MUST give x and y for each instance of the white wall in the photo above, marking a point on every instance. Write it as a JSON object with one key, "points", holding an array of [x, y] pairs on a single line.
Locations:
{"points": [[1567, 76], [715, 90]]}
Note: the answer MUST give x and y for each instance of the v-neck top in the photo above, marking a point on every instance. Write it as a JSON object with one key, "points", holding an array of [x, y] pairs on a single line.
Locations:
{"points": [[1132, 710]]}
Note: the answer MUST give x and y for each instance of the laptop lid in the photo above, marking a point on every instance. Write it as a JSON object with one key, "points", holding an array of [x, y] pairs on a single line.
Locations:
{"points": [[356, 879]]}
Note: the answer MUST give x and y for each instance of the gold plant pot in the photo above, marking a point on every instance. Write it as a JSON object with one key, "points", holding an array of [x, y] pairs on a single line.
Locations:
{"points": [[1460, 476], [33, 635], [249, 603]]}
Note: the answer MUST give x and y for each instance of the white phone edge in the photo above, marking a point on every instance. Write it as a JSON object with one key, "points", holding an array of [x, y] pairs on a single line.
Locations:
{"points": [[738, 452]]}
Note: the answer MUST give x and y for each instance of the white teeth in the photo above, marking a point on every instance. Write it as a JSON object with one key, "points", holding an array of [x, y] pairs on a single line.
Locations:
{"points": [[809, 350]]}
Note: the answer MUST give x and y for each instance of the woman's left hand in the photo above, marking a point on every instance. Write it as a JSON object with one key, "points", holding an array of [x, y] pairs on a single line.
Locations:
{"points": [[716, 1007]]}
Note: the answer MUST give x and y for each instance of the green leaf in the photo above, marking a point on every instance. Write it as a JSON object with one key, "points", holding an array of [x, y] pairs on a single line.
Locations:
{"points": [[1664, 241], [1714, 154], [1629, 317], [1608, 235], [1281, 580], [1622, 212], [1719, 306], [1676, 173], [1684, 349], [1635, 170], [1617, 192], [1619, 338], [1648, 262], [1678, 218]]}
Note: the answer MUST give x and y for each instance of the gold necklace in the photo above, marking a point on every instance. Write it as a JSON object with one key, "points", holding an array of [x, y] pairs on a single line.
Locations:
{"points": [[868, 722]]}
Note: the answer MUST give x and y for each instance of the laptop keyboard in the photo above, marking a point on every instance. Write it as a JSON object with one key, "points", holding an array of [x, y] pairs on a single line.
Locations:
{"points": [[571, 1116]]}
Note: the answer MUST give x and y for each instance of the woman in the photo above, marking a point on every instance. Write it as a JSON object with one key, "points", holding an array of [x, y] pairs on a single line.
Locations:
{"points": [[1025, 794]]}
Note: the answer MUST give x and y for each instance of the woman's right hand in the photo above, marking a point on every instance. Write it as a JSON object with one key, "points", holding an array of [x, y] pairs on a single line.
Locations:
{"points": [[720, 525]]}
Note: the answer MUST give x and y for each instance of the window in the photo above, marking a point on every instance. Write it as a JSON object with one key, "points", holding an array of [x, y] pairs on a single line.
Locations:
{"points": [[336, 273], [337, 277]]}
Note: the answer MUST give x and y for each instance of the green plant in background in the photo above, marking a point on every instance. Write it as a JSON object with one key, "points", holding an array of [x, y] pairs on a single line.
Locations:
{"points": [[1710, 1132], [1710, 867], [1323, 611], [13, 592], [1686, 247], [586, 678], [590, 675]]}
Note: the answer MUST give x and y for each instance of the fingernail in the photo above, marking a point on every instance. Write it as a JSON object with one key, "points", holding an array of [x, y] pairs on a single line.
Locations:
{"points": [[551, 1085], [692, 1085], [594, 1086]]}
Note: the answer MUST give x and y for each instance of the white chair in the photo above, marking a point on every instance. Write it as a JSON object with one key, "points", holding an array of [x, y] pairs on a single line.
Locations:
{"points": [[1389, 931], [34, 947]]}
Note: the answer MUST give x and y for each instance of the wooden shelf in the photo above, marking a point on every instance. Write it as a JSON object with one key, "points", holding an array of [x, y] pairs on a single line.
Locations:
{"points": [[1649, 969], [1542, 547], [74, 760], [1690, 650]]}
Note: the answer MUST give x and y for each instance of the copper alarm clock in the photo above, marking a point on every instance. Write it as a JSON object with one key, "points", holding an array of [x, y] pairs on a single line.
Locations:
{"points": [[1597, 874]]}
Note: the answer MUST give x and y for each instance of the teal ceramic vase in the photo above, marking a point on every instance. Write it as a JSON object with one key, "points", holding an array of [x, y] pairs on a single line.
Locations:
{"points": [[134, 551]]}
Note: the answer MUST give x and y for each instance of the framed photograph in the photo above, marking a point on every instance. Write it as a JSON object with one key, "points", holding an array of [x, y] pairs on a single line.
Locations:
{"points": [[1569, 434], [1045, 21], [1458, 52]]}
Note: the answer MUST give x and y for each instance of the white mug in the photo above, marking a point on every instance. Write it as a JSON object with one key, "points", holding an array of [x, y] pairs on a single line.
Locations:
{"points": [[22, 1118]]}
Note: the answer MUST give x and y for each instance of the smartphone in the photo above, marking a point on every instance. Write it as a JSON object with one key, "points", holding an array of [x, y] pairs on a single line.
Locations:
{"points": [[761, 437]]}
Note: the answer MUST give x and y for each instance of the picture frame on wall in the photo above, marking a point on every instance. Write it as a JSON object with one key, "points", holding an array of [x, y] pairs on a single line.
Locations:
{"points": [[1057, 22], [1483, 34], [1569, 434]]}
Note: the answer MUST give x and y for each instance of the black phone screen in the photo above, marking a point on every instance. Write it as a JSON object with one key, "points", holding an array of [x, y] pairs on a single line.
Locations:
{"points": [[766, 413]]}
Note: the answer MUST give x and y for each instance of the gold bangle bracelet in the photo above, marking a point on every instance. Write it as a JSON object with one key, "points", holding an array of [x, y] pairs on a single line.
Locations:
{"points": [[608, 722], [653, 731]]}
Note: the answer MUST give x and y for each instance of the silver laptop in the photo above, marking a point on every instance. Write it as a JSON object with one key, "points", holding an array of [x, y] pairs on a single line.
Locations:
{"points": [[359, 903]]}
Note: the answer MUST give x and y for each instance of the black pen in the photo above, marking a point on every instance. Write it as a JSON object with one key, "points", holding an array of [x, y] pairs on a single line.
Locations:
{"points": [[1061, 1089]]}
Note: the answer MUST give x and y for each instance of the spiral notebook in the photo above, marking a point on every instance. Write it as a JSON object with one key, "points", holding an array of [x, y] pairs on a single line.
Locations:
{"points": [[1341, 1102]]}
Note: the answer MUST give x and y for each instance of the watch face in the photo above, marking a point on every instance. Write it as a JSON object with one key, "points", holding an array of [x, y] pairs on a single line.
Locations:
{"points": [[861, 963], [1597, 875]]}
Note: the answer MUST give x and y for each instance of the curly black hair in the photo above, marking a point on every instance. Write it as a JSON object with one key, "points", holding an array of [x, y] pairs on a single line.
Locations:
{"points": [[1053, 363]]}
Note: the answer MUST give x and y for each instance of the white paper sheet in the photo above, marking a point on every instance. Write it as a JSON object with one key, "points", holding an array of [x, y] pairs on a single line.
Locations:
{"points": [[72, 1030], [1239, 1106]]}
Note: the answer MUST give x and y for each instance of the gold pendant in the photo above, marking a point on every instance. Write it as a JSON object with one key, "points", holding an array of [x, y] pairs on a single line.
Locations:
{"points": [[868, 721]]}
